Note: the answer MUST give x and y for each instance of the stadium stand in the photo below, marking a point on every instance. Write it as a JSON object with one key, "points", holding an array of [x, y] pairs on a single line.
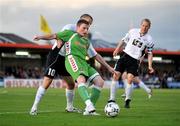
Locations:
{"points": [[12, 38], [167, 63]]}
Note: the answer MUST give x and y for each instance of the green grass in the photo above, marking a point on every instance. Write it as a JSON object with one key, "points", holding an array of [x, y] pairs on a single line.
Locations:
{"points": [[163, 109]]}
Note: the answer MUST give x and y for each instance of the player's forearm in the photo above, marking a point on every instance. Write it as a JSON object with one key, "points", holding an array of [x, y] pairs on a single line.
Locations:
{"points": [[150, 60], [47, 37], [100, 59], [141, 59], [120, 45]]}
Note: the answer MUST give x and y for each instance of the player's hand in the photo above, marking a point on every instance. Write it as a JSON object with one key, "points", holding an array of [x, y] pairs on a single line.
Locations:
{"points": [[151, 70], [59, 43], [115, 52], [113, 71], [116, 73], [36, 38]]}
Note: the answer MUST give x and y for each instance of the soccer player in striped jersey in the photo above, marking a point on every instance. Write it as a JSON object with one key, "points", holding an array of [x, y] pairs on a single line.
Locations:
{"points": [[136, 41]]}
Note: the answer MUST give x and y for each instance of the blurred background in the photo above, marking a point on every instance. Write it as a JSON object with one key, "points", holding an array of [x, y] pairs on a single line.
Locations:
{"points": [[22, 60]]}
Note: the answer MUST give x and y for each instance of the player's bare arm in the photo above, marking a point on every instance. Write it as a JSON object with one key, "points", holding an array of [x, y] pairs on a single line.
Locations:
{"points": [[118, 48], [49, 37], [99, 58], [150, 57], [44, 37]]}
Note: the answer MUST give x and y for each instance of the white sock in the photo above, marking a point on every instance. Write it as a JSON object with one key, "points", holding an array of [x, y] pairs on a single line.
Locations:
{"points": [[124, 82], [143, 86], [128, 91], [113, 88], [40, 92], [88, 102], [69, 98]]}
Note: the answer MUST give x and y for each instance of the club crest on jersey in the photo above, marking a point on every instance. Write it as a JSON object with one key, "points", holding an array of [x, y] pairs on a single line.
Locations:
{"points": [[72, 63], [68, 48]]}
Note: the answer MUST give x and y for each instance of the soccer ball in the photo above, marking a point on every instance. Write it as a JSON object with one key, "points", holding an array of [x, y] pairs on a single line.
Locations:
{"points": [[111, 109]]}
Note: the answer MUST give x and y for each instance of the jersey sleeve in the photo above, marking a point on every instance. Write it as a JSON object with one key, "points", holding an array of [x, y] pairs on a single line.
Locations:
{"points": [[126, 37], [69, 27], [91, 51], [150, 45], [64, 35]]}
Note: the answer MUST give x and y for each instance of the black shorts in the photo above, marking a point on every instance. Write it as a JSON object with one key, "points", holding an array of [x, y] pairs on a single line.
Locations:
{"points": [[128, 64], [55, 64]]}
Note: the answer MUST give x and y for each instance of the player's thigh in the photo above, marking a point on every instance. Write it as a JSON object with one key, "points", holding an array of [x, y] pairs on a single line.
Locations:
{"points": [[75, 67], [120, 65], [60, 66], [68, 79], [70, 84], [136, 79], [46, 82], [92, 74], [51, 57], [50, 70], [98, 81]]}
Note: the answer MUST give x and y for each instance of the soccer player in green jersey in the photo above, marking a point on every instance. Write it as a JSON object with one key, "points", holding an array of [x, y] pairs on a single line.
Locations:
{"points": [[76, 45], [56, 59]]}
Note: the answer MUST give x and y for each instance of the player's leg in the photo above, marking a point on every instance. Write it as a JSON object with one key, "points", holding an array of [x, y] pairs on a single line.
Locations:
{"points": [[39, 94], [132, 71], [113, 87], [70, 84], [96, 82], [70, 93], [143, 86], [119, 67], [96, 89], [78, 69], [83, 92], [128, 90], [124, 80], [47, 80]]}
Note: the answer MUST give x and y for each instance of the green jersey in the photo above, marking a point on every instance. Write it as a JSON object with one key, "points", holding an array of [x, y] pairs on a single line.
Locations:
{"points": [[75, 44], [76, 51]]}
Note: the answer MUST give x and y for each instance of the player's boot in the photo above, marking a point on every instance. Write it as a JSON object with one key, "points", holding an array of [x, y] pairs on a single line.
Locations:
{"points": [[74, 110], [127, 103], [123, 95], [109, 101], [90, 110], [150, 94], [33, 111]]}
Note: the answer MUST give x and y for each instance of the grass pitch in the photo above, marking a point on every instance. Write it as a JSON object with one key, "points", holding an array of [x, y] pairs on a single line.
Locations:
{"points": [[163, 109]]}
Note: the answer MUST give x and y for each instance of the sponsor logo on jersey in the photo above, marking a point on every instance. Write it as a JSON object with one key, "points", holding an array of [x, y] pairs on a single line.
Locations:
{"points": [[80, 44], [72, 63], [68, 48]]}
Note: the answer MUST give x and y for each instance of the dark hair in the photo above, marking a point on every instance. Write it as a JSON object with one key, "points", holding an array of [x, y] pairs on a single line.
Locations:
{"points": [[146, 20], [81, 21], [86, 15]]}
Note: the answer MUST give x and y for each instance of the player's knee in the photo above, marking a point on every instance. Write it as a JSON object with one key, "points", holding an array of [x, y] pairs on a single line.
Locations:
{"points": [[129, 80], [70, 86], [46, 82], [81, 79], [116, 76], [99, 81]]}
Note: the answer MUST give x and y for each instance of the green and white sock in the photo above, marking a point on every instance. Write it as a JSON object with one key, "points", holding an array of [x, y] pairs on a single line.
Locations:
{"points": [[95, 93], [82, 89]]}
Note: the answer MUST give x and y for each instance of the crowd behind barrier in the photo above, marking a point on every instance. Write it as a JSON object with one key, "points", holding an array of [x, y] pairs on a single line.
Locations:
{"points": [[160, 79]]}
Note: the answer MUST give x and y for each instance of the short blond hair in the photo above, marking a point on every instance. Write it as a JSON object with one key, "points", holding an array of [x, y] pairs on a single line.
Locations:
{"points": [[146, 20]]}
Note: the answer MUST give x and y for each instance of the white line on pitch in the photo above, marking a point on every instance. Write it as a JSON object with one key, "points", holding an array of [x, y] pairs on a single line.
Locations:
{"points": [[5, 113]]}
